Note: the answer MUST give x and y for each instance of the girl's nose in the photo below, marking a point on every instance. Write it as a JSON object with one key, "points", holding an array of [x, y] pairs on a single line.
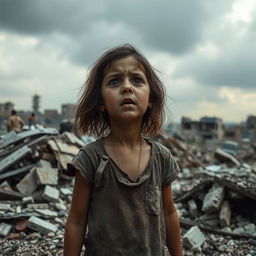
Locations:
{"points": [[127, 87]]}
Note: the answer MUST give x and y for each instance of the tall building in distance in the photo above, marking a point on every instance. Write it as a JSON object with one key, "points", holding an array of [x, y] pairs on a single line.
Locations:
{"points": [[36, 103], [6, 109], [67, 111]]}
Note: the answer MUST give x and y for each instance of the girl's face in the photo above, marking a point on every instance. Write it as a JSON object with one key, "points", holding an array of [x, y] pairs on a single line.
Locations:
{"points": [[125, 90]]}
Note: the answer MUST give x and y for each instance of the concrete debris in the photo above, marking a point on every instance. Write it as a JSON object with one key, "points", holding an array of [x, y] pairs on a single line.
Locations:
{"points": [[41, 226], [194, 238], [28, 184], [225, 214], [5, 229], [213, 199], [46, 176], [214, 193], [51, 194]]}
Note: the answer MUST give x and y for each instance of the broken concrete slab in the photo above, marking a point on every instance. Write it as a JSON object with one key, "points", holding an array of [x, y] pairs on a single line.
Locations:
{"points": [[38, 206], [15, 172], [13, 158], [46, 176], [213, 199], [72, 139], [5, 229], [5, 206], [51, 194], [28, 184], [65, 191], [11, 138], [194, 238], [225, 214], [59, 146], [192, 208], [44, 164], [41, 226], [225, 157], [46, 213]]}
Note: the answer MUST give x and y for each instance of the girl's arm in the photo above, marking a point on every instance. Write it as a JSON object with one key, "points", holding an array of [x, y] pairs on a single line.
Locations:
{"points": [[173, 239], [77, 218]]}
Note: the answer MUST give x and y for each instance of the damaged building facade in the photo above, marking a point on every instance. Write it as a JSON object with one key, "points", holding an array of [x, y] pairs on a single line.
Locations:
{"points": [[207, 128]]}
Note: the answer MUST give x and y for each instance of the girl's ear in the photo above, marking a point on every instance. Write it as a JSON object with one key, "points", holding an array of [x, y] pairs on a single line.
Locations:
{"points": [[149, 105]]}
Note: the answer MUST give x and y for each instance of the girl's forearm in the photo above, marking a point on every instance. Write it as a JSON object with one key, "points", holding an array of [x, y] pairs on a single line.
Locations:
{"points": [[173, 239], [73, 239]]}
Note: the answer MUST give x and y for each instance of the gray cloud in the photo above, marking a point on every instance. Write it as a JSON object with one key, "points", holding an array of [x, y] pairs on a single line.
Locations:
{"points": [[169, 26]]}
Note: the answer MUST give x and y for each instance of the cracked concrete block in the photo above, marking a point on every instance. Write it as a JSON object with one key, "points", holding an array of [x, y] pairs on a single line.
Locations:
{"points": [[28, 184], [66, 191], [5, 207], [46, 176], [46, 213], [41, 226], [44, 164], [5, 229], [37, 206], [194, 238], [192, 208], [213, 199], [51, 194], [225, 214]]}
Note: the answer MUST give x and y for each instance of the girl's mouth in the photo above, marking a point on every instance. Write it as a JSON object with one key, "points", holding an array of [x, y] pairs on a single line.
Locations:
{"points": [[128, 101]]}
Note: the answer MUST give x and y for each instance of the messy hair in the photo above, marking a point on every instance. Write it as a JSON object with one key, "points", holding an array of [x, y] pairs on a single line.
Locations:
{"points": [[90, 120]]}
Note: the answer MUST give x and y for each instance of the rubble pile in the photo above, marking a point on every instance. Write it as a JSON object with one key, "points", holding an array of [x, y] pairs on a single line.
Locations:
{"points": [[35, 192], [214, 194]]}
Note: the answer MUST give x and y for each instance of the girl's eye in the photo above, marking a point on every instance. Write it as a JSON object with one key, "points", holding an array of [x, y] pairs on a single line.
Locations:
{"points": [[114, 81], [137, 80]]}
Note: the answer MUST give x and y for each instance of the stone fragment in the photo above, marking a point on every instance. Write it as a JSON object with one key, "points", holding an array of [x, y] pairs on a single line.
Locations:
{"points": [[5, 229], [28, 184], [5, 207], [194, 238], [51, 194], [28, 199], [46, 213], [225, 214], [37, 206], [61, 206], [66, 191], [46, 176], [192, 208], [41, 226], [213, 199], [44, 164], [239, 230], [250, 228]]}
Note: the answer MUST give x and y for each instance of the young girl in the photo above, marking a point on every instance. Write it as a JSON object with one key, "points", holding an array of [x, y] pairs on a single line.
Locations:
{"points": [[122, 194]]}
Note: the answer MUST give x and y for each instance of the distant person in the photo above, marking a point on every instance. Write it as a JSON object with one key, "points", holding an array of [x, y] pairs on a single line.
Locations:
{"points": [[15, 123], [32, 120], [122, 189]]}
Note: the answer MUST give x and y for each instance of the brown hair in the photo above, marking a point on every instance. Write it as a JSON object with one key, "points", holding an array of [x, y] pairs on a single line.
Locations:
{"points": [[90, 120]]}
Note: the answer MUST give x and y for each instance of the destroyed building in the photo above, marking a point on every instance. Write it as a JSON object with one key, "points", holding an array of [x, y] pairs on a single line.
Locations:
{"points": [[207, 128]]}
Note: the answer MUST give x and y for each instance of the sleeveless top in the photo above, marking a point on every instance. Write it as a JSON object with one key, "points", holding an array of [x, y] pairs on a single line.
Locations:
{"points": [[125, 217]]}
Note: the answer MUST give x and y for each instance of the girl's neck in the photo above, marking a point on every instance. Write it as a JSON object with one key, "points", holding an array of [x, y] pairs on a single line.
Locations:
{"points": [[129, 137]]}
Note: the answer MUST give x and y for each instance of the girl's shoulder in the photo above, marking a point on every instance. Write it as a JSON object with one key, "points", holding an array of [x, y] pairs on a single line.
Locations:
{"points": [[93, 147], [158, 147]]}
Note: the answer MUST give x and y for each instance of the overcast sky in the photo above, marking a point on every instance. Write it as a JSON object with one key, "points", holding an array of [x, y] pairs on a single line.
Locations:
{"points": [[204, 50]]}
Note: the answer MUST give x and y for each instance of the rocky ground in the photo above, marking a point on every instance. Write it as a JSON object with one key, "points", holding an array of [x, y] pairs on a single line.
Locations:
{"points": [[214, 191], [30, 243]]}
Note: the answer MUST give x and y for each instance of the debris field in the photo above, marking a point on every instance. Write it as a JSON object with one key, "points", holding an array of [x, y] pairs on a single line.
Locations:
{"points": [[215, 194]]}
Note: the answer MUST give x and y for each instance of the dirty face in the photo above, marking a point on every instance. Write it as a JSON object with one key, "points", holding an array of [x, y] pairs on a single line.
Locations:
{"points": [[125, 90]]}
